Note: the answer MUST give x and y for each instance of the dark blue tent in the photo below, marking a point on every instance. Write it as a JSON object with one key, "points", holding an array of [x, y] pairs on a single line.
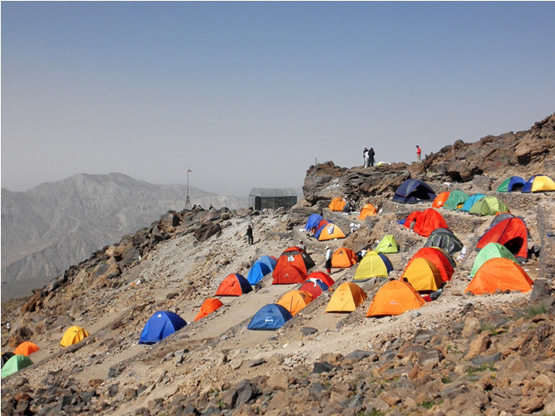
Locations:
{"points": [[412, 191], [516, 182], [159, 326], [257, 272], [270, 317], [312, 222], [472, 199], [268, 261], [387, 263]]}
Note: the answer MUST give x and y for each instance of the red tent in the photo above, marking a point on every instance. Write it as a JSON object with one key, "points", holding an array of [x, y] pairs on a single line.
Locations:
{"points": [[438, 258], [512, 233], [425, 221], [324, 277]]}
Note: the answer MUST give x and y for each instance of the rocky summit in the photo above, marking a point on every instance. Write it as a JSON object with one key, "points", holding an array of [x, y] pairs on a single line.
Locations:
{"points": [[459, 354]]}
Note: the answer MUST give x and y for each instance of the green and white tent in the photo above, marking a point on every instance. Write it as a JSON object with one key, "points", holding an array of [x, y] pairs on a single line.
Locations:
{"points": [[387, 245], [456, 200], [490, 251], [14, 364]]}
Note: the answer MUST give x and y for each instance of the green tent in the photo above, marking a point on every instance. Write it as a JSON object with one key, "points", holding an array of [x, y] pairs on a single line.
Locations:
{"points": [[387, 245], [14, 364], [504, 187], [456, 200], [490, 251], [488, 205]]}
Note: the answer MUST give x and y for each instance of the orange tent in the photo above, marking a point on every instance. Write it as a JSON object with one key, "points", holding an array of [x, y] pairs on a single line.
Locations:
{"points": [[438, 258], [289, 274], [209, 305], [500, 274], [367, 210], [233, 285], [324, 277], [346, 298], [330, 232], [343, 257], [337, 204], [425, 221], [423, 275], [295, 300], [395, 298], [292, 256], [26, 348], [440, 199]]}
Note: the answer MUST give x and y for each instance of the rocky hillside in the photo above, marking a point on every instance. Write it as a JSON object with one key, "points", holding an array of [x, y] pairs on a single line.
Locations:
{"points": [[460, 354], [55, 225]]}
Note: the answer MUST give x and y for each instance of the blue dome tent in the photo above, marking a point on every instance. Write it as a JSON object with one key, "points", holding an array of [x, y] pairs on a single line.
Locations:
{"points": [[159, 326], [270, 317], [412, 191]]}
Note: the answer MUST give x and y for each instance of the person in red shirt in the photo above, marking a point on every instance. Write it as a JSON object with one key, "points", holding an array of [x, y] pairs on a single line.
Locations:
{"points": [[418, 152]]}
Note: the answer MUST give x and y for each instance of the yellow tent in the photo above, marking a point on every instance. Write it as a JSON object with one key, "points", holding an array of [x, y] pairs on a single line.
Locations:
{"points": [[346, 298], [295, 300], [542, 184], [73, 335], [372, 265], [423, 275], [330, 231], [337, 204], [368, 210]]}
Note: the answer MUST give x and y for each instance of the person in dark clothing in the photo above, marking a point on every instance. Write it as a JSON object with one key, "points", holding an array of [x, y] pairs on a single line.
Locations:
{"points": [[249, 235], [371, 156]]}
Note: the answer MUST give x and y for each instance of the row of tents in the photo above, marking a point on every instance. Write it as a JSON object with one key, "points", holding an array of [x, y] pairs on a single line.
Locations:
{"points": [[477, 204], [536, 183]]}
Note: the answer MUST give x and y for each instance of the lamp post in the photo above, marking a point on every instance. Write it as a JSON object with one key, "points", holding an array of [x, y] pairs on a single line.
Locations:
{"points": [[187, 200]]}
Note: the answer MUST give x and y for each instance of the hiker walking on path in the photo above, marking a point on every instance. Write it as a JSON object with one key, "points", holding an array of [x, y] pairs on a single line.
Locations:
{"points": [[418, 152], [371, 156], [366, 157], [328, 259], [249, 235]]}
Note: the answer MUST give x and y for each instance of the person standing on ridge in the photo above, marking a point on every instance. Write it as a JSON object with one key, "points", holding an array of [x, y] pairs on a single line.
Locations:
{"points": [[249, 235], [371, 156], [418, 153], [366, 157], [328, 259]]}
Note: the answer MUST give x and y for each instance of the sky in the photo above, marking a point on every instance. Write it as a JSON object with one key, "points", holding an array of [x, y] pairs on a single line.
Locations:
{"points": [[250, 94]]}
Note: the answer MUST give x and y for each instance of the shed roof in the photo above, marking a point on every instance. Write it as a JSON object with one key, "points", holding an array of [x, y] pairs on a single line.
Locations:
{"points": [[272, 192]]}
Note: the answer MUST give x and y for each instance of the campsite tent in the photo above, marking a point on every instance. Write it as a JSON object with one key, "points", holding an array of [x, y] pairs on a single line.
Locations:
{"points": [[499, 274], [269, 261], [292, 266], [424, 222], [511, 184], [313, 221], [472, 199], [367, 210], [440, 199], [346, 298], [26, 348], [159, 326], [73, 335], [373, 265], [15, 364], [445, 239], [315, 287], [488, 205], [500, 217], [394, 298], [324, 277], [412, 191], [539, 183], [423, 275], [343, 258], [234, 285], [387, 245], [490, 251], [257, 272], [337, 204], [269, 317], [456, 200], [208, 306], [329, 232], [512, 233], [320, 227], [6, 356], [295, 300], [439, 258]]}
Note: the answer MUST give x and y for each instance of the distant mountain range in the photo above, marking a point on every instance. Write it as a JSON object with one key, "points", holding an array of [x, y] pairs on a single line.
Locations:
{"points": [[55, 225]]}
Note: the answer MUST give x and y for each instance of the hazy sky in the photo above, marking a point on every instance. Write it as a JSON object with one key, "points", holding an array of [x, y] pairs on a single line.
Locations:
{"points": [[250, 94]]}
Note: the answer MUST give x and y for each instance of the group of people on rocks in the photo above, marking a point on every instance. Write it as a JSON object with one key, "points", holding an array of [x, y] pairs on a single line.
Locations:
{"points": [[369, 156]]}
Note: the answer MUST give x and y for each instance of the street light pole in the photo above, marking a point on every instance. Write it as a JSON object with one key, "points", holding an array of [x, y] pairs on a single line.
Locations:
{"points": [[187, 200]]}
